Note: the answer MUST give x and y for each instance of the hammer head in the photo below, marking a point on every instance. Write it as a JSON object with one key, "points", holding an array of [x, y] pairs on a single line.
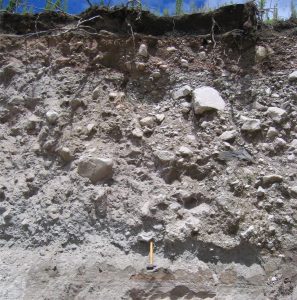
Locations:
{"points": [[151, 267]]}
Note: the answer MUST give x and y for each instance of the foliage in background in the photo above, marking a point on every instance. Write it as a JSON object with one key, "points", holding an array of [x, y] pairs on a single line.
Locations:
{"points": [[193, 7], [12, 5], [293, 10], [165, 12], [268, 8], [179, 7], [58, 5], [134, 4], [22, 6], [261, 6], [25, 7], [275, 12], [48, 5]]}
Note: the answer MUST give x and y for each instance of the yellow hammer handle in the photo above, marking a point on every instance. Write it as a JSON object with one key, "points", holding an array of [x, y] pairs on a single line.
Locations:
{"points": [[151, 252]]}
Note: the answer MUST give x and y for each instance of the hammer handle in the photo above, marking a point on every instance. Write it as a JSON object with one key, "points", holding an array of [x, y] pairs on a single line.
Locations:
{"points": [[151, 252]]}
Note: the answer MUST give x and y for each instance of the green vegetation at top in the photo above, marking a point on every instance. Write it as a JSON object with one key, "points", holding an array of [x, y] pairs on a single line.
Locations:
{"points": [[268, 9], [22, 6], [179, 7], [293, 10]]}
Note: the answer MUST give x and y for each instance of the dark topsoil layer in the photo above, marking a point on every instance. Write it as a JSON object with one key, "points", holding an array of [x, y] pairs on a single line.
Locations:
{"points": [[120, 20]]}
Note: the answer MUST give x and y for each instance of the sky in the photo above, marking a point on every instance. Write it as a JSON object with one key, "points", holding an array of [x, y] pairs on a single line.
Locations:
{"points": [[76, 6]]}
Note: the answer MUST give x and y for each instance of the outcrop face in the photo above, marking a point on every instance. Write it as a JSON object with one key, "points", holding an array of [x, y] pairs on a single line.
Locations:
{"points": [[109, 140]]}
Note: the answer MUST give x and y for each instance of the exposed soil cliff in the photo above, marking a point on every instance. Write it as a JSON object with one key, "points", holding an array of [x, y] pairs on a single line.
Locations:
{"points": [[120, 127]]}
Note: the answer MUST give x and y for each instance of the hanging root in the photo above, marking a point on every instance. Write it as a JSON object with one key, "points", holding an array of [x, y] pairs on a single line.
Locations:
{"points": [[61, 30], [212, 34], [133, 37]]}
